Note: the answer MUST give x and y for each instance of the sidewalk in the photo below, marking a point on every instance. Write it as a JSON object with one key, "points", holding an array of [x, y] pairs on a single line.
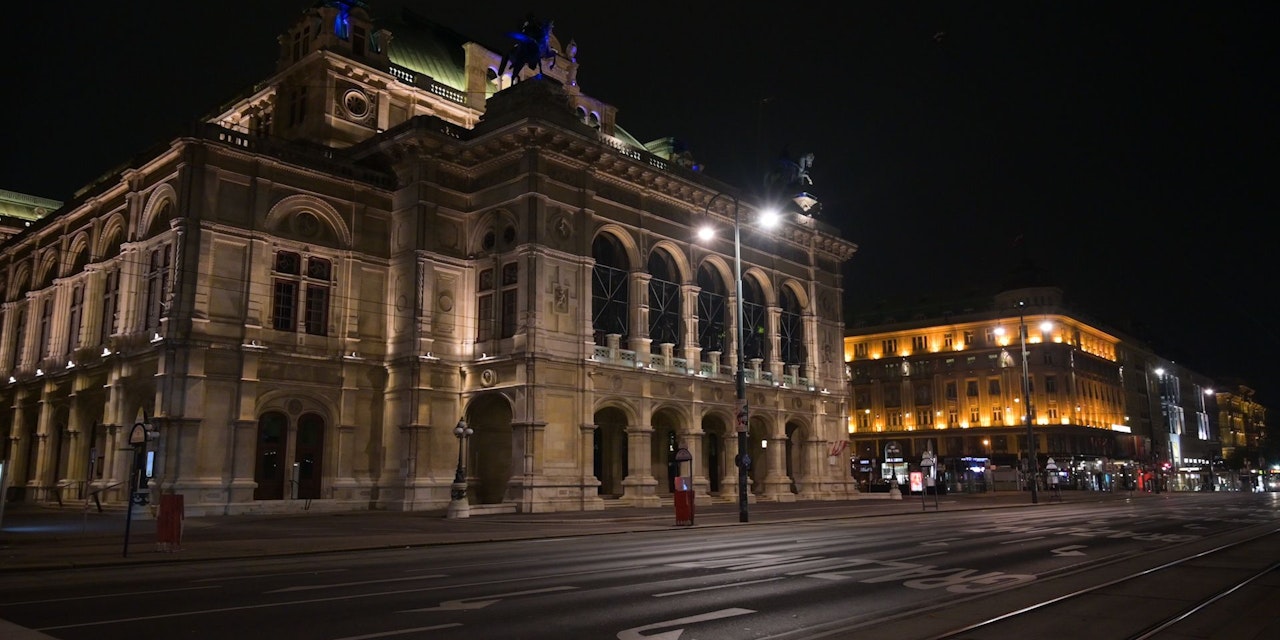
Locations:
{"points": [[35, 537]]}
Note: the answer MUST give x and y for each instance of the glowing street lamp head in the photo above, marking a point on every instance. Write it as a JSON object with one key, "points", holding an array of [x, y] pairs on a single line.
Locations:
{"points": [[706, 232], [770, 218]]}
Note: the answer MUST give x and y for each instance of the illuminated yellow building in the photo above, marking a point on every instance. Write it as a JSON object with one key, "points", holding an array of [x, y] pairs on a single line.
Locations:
{"points": [[954, 381], [1242, 423]]}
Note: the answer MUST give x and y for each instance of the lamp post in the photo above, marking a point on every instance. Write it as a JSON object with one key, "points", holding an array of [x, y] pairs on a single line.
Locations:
{"points": [[458, 506], [1032, 470], [743, 460]]}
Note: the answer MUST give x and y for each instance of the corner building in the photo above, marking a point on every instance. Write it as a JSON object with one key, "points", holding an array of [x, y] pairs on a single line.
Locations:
{"points": [[308, 291], [952, 379]]}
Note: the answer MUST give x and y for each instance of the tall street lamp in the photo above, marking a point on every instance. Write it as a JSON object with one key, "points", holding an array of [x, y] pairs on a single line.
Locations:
{"points": [[743, 460], [458, 505], [1032, 465]]}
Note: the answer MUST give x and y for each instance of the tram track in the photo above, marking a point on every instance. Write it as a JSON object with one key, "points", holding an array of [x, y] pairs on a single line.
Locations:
{"points": [[1188, 591]]}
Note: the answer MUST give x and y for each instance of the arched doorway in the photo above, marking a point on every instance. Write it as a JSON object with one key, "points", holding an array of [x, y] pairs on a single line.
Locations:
{"points": [[268, 469], [665, 442], [489, 449], [274, 477], [793, 455], [309, 455], [717, 463], [610, 451], [756, 448]]}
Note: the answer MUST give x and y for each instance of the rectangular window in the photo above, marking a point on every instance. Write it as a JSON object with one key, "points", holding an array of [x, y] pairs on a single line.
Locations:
{"points": [[968, 338], [889, 347], [923, 393], [110, 298], [1050, 384], [971, 388], [895, 419], [864, 421], [45, 330], [317, 319], [74, 317], [948, 341], [953, 417], [975, 417], [1052, 412], [860, 350], [510, 291], [892, 396], [951, 390], [997, 415], [19, 337], [284, 306], [484, 305], [295, 291], [919, 343], [157, 287], [990, 336], [993, 386]]}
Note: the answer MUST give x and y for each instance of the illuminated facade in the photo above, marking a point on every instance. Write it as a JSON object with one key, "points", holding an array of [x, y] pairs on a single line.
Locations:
{"points": [[19, 210], [952, 381], [306, 293], [1242, 423]]}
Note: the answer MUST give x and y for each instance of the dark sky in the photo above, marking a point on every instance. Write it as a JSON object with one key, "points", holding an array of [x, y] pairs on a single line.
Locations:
{"points": [[1131, 145]]}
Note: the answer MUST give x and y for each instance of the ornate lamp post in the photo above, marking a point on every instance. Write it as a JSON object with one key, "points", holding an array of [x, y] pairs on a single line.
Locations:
{"points": [[743, 460], [458, 506]]}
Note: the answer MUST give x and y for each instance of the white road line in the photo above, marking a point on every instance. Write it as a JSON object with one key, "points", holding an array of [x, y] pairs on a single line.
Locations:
{"points": [[313, 587], [923, 555], [400, 632], [107, 595], [719, 586], [269, 575]]}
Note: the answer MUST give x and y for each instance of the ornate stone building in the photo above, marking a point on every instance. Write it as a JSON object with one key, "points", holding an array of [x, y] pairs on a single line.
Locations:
{"points": [[306, 293]]}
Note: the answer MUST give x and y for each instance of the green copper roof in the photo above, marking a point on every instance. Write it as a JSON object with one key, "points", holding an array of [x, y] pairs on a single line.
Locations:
{"points": [[25, 207], [428, 48]]}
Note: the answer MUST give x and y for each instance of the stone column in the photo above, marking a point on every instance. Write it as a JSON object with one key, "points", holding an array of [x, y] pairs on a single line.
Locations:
{"points": [[639, 488]]}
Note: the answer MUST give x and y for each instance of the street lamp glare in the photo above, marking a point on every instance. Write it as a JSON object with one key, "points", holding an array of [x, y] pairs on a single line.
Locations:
{"points": [[706, 232], [770, 218]]}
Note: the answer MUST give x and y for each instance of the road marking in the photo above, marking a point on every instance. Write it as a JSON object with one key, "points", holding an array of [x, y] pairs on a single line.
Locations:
{"points": [[940, 542], [400, 632], [334, 585], [634, 633], [484, 601], [923, 555], [719, 586], [269, 575], [109, 595], [1069, 550]]}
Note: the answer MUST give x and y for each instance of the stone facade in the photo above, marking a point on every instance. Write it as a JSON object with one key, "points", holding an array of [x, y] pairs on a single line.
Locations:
{"points": [[305, 294]]}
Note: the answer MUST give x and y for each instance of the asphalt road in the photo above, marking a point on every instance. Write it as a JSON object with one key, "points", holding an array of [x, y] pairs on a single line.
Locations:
{"points": [[903, 576]]}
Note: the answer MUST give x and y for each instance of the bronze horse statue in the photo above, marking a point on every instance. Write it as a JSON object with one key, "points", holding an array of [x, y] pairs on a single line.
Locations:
{"points": [[532, 46]]}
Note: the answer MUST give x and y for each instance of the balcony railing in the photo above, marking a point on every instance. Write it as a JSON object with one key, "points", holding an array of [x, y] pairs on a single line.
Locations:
{"points": [[659, 363]]}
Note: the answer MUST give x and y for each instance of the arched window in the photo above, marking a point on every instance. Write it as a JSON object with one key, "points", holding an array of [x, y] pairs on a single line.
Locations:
{"points": [[754, 324], [712, 316], [665, 321], [609, 299], [790, 329]]}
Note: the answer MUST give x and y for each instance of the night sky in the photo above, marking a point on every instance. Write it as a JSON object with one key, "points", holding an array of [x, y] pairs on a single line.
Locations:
{"points": [[1127, 147]]}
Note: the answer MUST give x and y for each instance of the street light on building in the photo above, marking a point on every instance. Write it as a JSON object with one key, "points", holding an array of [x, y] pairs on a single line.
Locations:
{"points": [[458, 505], [743, 461], [1032, 470]]}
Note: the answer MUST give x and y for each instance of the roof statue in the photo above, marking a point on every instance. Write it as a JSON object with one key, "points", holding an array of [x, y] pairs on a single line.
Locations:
{"points": [[789, 178], [532, 46]]}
